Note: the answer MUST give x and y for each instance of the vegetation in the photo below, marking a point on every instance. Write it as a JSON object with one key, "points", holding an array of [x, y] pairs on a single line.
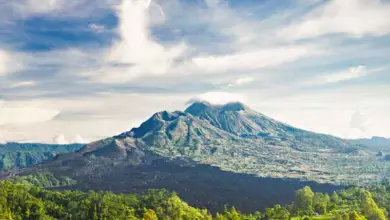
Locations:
{"points": [[16, 155], [21, 200], [47, 180]]}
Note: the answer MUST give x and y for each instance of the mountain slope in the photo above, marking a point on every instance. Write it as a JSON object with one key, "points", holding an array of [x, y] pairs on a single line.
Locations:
{"points": [[236, 138], [238, 119], [202, 127], [138, 170], [24, 155], [377, 143]]}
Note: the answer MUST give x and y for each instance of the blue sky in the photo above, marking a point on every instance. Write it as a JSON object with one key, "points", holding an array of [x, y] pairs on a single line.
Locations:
{"points": [[81, 70]]}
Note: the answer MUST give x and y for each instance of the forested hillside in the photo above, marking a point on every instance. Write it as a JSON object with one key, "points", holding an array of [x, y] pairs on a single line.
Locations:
{"points": [[17, 155], [22, 200]]}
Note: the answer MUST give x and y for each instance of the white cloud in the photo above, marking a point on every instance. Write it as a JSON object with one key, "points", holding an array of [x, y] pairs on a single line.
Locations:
{"points": [[221, 97], [60, 139], [20, 114], [4, 63], [351, 73], [212, 3], [137, 52], [23, 84], [255, 59], [244, 80], [353, 17], [27, 8], [4, 59], [79, 140], [86, 116], [9, 62], [238, 82], [247, 46]]}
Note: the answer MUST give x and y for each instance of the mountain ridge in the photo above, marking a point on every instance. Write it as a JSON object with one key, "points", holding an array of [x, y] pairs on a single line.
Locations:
{"points": [[236, 138], [203, 123]]}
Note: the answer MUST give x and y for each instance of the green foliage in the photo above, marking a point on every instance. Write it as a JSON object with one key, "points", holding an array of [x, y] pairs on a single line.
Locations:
{"points": [[355, 216], [278, 212], [47, 179], [150, 215], [25, 201], [303, 204], [23, 155], [22, 200], [370, 208], [321, 203]]}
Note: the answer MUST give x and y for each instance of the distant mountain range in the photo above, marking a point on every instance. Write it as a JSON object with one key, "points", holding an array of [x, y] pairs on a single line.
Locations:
{"points": [[378, 143], [229, 150], [23, 155]]}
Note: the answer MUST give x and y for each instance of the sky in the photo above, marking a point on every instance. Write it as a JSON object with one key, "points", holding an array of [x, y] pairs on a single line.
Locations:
{"points": [[74, 71]]}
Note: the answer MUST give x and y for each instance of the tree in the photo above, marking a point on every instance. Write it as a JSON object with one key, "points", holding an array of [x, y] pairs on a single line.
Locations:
{"points": [[304, 201], [278, 212], [355, 216], [370, 208], [335, 198], [320, 203], [232, 214], [346, 216], [150, 215]]}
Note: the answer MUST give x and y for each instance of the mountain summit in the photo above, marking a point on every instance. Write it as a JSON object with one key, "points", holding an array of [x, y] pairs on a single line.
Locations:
{"points": [[203, 129], [198, 108]]}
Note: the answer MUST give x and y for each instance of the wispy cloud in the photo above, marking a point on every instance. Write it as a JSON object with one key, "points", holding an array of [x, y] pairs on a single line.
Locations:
{"points": [[244, 80], [351, 73], [23, 84], [352, 17], [250, 60]]}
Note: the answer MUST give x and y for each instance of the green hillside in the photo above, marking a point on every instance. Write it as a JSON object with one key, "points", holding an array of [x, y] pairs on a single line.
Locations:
{"points": [[17, 155], [22, 200]]}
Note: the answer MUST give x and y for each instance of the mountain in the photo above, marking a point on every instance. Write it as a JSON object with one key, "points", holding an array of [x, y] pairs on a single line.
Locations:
{"points": [[17, 155], [239, 139], [240, 120], [203, 125], [379, 143], [213, 155]]}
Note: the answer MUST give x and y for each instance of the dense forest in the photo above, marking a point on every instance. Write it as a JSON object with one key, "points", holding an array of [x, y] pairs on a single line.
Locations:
{"points": [[23, 200]]}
